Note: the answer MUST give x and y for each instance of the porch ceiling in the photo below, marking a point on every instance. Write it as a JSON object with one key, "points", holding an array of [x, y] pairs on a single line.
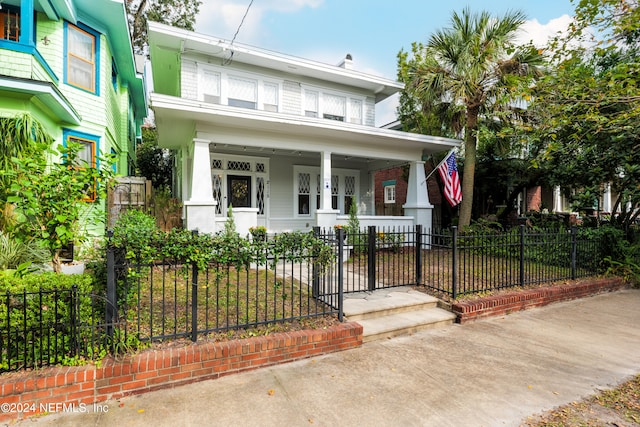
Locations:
{"points": [[180, 120]]}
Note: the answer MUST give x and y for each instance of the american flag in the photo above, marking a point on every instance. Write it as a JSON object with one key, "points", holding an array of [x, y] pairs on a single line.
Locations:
{"points": [[449, 173]]}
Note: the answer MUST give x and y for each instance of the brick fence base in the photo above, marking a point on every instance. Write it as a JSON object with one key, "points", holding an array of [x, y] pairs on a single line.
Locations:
{"points": [[77, 388], [502, 304]]}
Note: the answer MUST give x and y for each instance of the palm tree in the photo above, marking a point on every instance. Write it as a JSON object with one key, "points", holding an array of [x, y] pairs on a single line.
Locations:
{"points": [[472, 70]]}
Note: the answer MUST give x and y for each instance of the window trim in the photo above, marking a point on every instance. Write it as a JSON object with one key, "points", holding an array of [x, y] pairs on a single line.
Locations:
{"points": [[321, 92], [224, 85], [387, 199], [96, 56], [314, 189], [94, 141]]}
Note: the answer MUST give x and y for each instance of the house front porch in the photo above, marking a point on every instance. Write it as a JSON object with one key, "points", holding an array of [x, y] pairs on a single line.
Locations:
{"points": [[285, 172]]}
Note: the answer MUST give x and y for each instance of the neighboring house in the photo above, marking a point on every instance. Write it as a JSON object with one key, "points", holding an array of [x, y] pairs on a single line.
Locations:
{"points": [[70, 64], [289, 143]]}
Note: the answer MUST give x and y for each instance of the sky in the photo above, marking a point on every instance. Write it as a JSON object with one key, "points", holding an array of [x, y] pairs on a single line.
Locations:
{"points": [[372, 31]]}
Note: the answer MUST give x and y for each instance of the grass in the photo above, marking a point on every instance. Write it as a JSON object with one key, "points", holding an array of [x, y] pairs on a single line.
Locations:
{"points": [[476, 273], [619, 406], [160, 302]]}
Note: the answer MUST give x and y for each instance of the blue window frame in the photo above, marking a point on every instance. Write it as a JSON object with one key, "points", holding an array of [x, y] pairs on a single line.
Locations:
{"points": [[82, 57], [87, 156]]}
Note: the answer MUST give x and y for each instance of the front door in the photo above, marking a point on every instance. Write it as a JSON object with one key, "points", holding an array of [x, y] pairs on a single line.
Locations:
{"points": [[239, 191]]}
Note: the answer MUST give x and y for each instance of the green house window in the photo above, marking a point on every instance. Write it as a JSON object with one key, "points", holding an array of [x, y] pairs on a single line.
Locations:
{"points": [[81, 58]]}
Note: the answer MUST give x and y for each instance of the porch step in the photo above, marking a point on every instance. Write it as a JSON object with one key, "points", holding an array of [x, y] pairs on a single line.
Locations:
{"points": [[387, 313]]}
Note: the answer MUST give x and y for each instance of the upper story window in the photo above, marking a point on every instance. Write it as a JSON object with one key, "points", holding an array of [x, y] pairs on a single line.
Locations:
{"points": [[9, 24], [333, 106], [81, 63], [245, 90], [311, 103]]}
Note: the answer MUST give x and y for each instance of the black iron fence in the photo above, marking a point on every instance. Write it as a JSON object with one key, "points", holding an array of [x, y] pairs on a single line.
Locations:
{"points": [[452, 263], [165, 299], [49, 327]]}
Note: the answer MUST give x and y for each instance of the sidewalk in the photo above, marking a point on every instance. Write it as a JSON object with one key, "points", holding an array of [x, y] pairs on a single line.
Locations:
{"points": [[488, 373]]}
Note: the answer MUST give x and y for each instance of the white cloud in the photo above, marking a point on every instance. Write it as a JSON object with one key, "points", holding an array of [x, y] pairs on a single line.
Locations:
{"points": [[223, 17], [539, 33]]}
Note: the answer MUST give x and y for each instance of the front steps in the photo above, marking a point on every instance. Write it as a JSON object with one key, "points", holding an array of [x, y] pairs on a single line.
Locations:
{"points": [[391, 312]]}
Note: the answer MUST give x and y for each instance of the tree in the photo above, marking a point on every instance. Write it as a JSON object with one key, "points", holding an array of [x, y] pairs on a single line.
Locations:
{"points": [[177, 13], [153, 162], [586, 113], [20, 136], [50, 198], [470, 71]]}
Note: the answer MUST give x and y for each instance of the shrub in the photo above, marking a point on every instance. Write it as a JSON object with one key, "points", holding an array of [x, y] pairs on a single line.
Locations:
{"points": [[38, 308], [22, 256]]}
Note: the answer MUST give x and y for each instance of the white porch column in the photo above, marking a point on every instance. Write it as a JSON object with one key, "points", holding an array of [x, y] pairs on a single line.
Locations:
{"points": [[557, 199], [417, 204], [325, 215], [200, 208], [606, 199]]}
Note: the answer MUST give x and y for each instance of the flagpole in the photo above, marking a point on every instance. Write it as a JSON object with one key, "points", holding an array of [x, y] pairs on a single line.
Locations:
{"points": [[439, 164]]}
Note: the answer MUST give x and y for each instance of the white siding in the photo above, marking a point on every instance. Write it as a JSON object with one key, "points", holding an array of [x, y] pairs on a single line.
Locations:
{"points": [[291, 97], [189, 79]]}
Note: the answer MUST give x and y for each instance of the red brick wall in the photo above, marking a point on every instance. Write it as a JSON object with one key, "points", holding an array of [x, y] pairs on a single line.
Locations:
{"points": [[36, 391], [435, 196], [499, 305]]}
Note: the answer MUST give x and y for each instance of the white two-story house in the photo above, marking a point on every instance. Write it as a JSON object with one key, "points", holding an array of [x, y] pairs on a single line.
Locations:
{"points": [[287, 142]]}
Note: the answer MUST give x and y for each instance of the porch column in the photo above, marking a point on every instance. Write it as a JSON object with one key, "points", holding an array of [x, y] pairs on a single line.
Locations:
{"points": [[606, 202], [200, 208], [418, 205], [325, 215], [557, 199]]}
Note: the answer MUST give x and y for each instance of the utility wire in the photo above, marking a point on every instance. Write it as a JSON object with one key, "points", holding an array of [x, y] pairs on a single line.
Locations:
{"points": [[228, 61]]}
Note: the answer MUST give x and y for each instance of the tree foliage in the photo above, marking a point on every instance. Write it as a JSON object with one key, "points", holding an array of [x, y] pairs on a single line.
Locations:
{"points": [[20, 136], [177, 13], [468, 72], [153, 162], [585, 117], [50, 198]]}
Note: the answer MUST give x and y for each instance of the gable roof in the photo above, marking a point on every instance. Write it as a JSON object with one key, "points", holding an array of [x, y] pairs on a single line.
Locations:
{"points": [[166, 43]]}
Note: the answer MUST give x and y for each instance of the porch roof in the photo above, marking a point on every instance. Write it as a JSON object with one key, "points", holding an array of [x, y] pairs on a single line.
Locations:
{"points": [[180, 120]]}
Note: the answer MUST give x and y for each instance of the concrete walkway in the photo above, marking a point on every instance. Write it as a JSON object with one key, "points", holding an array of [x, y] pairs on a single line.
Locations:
{"points": [[489, 373]]}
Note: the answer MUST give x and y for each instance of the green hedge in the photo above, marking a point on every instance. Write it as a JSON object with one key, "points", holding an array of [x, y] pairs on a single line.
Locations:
{"points": [[36, 324]]}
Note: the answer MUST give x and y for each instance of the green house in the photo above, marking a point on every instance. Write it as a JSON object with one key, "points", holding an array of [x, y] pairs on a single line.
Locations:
{"points": [[70, 64]]}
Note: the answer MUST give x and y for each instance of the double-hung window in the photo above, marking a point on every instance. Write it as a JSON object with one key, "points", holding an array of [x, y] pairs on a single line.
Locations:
{"points": [[243, 92], [81, 58], [340, 107], [86, 156]]}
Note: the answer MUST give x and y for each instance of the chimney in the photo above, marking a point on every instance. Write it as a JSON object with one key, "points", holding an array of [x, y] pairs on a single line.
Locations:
{"points": [[346, 62]]}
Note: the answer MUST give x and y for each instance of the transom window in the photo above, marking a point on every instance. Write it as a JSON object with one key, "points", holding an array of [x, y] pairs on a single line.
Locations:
{"points": [[81, 58]]}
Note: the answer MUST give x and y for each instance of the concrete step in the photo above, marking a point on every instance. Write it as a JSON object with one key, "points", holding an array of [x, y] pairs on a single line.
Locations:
{"points": [[406, 323], [366, 305], [387, 313]]}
